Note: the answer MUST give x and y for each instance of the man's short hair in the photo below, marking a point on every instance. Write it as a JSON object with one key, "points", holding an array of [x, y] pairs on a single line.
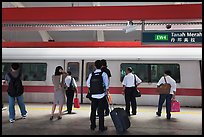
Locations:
{"points": [[167, 72], [129, 69], [98, 64], [69, 72], [14, 66], [103, 62]]}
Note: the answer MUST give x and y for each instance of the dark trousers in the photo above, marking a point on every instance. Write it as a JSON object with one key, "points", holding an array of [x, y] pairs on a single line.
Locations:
{"points": [[106, 107], [162, 98], [97, 103], [130, 98], [70, 97]]}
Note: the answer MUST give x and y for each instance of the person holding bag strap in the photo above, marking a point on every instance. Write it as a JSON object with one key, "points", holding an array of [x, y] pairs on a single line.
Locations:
{"points": [[168, 96], [129, 87]]}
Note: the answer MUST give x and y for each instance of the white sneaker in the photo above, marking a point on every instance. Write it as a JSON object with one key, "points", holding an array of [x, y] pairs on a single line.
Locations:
{"points": [[11, 120], [24, 116]]}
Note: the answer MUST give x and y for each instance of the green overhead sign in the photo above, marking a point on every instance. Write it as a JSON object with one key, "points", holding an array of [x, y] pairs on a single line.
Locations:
{"points": [[172, 37]]}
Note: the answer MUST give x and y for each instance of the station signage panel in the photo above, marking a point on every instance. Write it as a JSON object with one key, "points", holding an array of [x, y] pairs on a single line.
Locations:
{"points": [[172, 37]]}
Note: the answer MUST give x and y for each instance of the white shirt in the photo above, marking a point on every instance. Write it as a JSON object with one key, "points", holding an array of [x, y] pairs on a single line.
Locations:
{"points": [[68, 80], [170, 81], [105, 80], [129, 80]]}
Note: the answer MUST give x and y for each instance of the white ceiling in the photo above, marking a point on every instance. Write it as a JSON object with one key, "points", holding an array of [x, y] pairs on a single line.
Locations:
{"points": [[86, 34]]}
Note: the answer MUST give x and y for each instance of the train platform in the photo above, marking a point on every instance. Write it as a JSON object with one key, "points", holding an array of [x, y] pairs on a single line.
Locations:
{"points": [[186, 122]]}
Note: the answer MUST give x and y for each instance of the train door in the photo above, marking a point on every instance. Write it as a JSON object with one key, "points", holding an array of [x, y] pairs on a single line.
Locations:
{"points": [[80, 70], [74, 66]]}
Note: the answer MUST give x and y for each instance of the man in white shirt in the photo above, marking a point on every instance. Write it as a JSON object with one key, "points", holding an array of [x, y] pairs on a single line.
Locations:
{"points": [[129, 88], [167, 97], [98, 93], [71, 88]]}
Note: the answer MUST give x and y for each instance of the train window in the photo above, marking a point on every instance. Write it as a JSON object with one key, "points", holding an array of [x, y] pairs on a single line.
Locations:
{"points": [[151, 72], [141, 70], [30, 71], [157, 70], [74, 68], [90, 67]]}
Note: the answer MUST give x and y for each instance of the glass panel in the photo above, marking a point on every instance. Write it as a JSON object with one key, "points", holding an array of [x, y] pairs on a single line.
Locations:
{"points": [[30, 71], [90, 67], [157, 70], [74, 68], [141, 70], [151, 72]]}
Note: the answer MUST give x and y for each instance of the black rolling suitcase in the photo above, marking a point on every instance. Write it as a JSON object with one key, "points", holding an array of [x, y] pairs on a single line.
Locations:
{"points": [[120, 119]]}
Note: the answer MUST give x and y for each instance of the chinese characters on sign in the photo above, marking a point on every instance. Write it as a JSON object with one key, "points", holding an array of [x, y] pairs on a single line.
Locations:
{"points": [[170, 37]]}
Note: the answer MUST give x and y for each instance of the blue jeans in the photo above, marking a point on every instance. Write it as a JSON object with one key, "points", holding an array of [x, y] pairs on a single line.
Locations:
{"points": [[162, 98], [12, 106]]}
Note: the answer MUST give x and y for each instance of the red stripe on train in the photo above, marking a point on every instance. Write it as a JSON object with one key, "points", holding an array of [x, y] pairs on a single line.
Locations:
{"points": [[114, 90]]}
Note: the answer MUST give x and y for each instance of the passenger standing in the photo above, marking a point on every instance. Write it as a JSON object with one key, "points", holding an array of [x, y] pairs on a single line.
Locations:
{"points": [[71, 88], [15, 91], [105, 69], [129, 89], [167, 97], [98, 86], [59, 95]]}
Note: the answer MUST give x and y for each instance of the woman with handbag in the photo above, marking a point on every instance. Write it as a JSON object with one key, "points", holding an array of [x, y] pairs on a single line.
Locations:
{"points": [[169, 95], [129, 89]]}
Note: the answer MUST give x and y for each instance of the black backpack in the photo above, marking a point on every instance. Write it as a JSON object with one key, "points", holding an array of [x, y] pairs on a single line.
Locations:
{"points": [[96, 83], [15, 87]]}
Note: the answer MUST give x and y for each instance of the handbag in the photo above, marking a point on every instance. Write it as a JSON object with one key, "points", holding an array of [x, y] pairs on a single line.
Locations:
{"points": [[137, 92], [175, 106], [76, 103], [164, 88]]}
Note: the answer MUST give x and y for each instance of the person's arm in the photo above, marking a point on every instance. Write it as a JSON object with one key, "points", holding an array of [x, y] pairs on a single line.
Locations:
{"points": [[138, 80], [174, 89], [105, 80], [123, 83], [88, 81], [123, 90], [160, 81], [75, 85]]}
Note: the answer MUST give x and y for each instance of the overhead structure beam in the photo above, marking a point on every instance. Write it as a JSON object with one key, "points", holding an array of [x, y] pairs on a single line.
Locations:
{"points": [[91, 44], [44, 34], [94, 13]]}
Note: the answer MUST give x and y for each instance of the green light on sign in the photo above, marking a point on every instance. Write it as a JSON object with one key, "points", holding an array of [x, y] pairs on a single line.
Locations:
{"points": [[161, 37]]}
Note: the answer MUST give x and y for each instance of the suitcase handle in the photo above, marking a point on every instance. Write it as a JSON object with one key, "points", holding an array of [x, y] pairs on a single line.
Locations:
{"points": [[111, 105]]}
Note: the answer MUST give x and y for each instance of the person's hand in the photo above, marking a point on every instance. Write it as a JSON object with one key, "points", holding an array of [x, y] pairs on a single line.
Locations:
{"points": [[123, 92], [173, 97]]}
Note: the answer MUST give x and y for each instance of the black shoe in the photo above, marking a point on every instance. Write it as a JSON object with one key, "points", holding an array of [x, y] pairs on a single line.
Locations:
{"points": [[51, 118], [92, 127], [133, 113], [168, 117], [59, 117], [158, 114], [106, 114], [103, 129]]}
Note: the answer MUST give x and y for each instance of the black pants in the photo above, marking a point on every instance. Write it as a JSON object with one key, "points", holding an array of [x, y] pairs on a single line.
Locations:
{"points": [[97, 103], [130, 98], [106, 107], [70, 97]]}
